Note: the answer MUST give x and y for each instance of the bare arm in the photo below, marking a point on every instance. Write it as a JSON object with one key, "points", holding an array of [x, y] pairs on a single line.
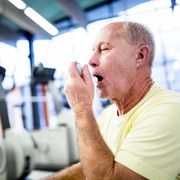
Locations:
{"points": [[97, 161], [72, 173]]}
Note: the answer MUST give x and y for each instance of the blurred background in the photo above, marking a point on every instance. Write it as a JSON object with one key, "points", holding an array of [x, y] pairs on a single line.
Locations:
{"points": [[52, 33], [38, 40], [23, 44]]}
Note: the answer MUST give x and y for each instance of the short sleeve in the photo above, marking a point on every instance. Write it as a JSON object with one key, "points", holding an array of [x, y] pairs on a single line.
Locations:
{"points": [[152, 147]]}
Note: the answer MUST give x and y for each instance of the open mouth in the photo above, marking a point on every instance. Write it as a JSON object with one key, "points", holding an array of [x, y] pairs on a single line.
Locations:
{"points": [[99, 78]]}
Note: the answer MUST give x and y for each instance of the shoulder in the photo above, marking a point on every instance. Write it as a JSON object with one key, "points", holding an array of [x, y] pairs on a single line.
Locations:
{"points": [[165, 95], [159, 114], [160, 101]]}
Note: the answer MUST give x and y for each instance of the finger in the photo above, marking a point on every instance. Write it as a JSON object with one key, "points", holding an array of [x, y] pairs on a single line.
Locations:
{"points": [[86, 74], [73, 71]]}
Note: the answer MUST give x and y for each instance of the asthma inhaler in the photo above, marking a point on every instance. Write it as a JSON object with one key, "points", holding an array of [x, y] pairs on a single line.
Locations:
{"points": [[78, 67]]}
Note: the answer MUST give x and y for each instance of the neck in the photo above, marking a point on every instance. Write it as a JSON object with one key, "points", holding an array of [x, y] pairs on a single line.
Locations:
{"points": [[134, 97]]}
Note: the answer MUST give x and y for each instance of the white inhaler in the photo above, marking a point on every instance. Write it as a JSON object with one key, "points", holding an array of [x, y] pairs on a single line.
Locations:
{"points": [[78, 67]]}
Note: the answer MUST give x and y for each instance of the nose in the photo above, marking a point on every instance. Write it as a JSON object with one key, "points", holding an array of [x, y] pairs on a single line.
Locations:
{"points": [[94, 60]]}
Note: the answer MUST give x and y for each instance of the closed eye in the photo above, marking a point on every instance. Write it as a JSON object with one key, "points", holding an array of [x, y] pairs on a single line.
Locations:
{"points": [[103, 50]]}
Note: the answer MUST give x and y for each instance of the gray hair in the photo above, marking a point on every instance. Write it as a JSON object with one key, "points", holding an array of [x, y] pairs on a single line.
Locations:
{"points": [[138, 34], [135, 34]]}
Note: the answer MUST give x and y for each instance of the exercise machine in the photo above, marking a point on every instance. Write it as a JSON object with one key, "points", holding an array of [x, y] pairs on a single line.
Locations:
{"points": [[48, 149]]}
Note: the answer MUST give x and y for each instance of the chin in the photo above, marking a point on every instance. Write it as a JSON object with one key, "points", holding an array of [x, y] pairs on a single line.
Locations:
{"points": [[102, 94]]}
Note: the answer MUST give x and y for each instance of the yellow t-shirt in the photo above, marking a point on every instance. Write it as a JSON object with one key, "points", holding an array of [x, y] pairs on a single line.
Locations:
{"points": [[147, 138]]}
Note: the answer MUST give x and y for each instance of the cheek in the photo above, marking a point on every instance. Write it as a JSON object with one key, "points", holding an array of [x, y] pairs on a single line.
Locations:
{"points": [[119, 68], [126, 67], [124, 75]]}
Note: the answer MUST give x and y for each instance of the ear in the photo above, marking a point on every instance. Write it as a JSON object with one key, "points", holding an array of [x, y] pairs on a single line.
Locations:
{"points": [[142, 55]]}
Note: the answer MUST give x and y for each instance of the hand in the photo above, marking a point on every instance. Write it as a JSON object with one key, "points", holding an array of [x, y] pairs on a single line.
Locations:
{"points": [[79, 90]]}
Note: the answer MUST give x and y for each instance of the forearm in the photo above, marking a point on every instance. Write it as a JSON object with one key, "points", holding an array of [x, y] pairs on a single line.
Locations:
{"points": [[73, 172], [96, 159]]}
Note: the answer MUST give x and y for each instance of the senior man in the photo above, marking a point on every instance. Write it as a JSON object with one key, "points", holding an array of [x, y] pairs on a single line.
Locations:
{"points": [[137, 137]]}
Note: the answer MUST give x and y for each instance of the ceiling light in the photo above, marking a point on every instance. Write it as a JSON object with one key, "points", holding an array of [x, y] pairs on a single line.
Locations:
{"points": [[18, 3], [41, 21]]}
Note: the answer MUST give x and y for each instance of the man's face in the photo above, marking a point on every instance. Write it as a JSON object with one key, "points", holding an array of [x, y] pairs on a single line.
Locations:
{"points": [[114, 64]]}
